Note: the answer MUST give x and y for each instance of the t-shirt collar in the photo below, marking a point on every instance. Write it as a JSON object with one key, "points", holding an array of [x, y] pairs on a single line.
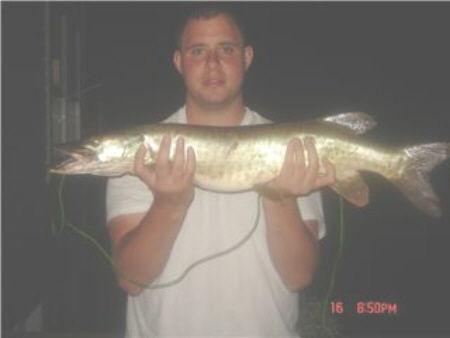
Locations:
{"points": [[182, 118]]}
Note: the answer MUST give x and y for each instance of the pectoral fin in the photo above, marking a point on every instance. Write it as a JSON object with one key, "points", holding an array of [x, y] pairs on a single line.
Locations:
{"points": [[351, 186]]}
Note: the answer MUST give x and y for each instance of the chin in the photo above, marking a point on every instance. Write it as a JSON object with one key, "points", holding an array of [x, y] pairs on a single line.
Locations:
{"points": [[215, 101]]}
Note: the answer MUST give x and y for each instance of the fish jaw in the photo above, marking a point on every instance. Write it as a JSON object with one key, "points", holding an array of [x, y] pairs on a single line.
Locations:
{"points": [[83, 161], [90, 167], [69, 167], [77, 159]]}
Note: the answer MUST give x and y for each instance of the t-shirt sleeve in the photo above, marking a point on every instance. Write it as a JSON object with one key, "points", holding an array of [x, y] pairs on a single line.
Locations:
{"points": [[126, 195], [311, 209]]}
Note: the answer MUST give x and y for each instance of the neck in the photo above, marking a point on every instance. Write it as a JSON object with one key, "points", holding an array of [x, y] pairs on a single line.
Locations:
{"points": [[229, 115]]}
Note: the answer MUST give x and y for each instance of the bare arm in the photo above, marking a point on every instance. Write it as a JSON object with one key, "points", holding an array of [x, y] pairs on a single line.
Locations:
{"points": [[141, 243], [293, 242]]}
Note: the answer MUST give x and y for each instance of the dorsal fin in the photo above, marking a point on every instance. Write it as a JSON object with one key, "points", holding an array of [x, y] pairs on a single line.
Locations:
{"points": [[358, 123]]}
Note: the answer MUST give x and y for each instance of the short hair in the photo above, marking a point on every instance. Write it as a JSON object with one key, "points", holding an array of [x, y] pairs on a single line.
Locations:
{"points": [[207, 12]]}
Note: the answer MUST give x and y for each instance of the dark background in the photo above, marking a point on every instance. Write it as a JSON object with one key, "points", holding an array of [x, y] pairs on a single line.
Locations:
{"points": [[311, 59]]}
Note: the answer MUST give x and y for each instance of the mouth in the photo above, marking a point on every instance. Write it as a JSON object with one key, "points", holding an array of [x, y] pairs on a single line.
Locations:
{"points": [[213, 82], [72, 160]]}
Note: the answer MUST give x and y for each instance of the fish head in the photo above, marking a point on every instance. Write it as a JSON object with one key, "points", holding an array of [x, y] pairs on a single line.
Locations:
{"points": [[99, 155]]}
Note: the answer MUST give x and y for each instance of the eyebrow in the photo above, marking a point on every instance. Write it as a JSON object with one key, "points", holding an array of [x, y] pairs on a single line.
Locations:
{"points": [[195, 45]]}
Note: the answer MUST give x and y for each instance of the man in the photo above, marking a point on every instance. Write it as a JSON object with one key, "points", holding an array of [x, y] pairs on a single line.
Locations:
{"points": [[160, 223]]}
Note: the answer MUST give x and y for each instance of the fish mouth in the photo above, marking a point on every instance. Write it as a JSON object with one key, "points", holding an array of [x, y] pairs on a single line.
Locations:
{"points": [[72, 159]]}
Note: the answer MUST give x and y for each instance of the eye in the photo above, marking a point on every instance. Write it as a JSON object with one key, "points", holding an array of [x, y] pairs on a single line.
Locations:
{"points": [[197, 51], [94, 142], [228, 49]]}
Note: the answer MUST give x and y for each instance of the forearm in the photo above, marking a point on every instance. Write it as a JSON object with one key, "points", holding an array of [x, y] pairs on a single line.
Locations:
{"points": [[142, 253], [293, 247]]}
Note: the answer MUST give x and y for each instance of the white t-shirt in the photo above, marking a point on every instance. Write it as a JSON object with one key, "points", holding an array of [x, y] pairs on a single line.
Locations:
{"points": [[239, 294]]}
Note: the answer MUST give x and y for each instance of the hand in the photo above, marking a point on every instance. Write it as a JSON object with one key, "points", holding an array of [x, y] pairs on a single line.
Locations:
{"points": [[170, 181], [298, 179]]}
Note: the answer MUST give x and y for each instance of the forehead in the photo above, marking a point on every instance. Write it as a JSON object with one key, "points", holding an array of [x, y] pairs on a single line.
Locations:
{"points": [[220, 28]]}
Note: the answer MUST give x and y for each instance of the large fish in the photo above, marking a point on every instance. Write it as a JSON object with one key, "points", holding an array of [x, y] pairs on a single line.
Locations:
{"points": [[231, 159]]}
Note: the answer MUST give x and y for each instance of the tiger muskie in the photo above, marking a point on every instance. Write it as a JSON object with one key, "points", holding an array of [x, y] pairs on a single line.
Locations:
{"points": [[232, 159]]}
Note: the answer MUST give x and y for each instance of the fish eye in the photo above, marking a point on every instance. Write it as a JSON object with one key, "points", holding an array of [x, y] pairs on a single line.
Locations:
{"points": [[95, 142]]}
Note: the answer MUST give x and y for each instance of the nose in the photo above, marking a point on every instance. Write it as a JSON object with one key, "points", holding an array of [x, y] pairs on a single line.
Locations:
{"points": [[212, 59]]}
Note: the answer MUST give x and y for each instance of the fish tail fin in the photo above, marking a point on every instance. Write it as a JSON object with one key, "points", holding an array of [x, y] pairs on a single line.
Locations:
{"points": [[414, 182]]}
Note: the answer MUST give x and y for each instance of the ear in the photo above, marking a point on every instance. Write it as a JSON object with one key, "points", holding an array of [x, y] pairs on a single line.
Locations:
{"points": [[177, 61], [248, 56]]}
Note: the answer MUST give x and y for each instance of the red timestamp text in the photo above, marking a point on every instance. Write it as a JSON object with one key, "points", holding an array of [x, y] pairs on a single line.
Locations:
{"points": [[365, 307], [376, 308]]}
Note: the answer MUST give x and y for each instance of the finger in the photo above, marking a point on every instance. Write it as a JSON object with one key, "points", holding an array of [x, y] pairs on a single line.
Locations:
{"points": [[297, 171], [299, 159], [162, 159], [330, 174], [312, 169], [313, 158], [139, 158], [139, 164], [287, 170], [178, 160], [190, 162]]}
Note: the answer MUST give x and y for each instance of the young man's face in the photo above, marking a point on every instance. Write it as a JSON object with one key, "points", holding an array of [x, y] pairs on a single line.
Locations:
{"points": [[212, 61]]}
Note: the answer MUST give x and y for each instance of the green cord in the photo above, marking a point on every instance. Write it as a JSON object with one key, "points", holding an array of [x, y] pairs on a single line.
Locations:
{"points": [[61, 214], [63, 221], [123, 274], [334, 269], [216, 255]]}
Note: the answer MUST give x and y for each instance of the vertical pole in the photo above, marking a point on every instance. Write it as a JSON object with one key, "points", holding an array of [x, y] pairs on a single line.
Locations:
{"points": [[64, 79], [47, 86], [77, 102]]}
